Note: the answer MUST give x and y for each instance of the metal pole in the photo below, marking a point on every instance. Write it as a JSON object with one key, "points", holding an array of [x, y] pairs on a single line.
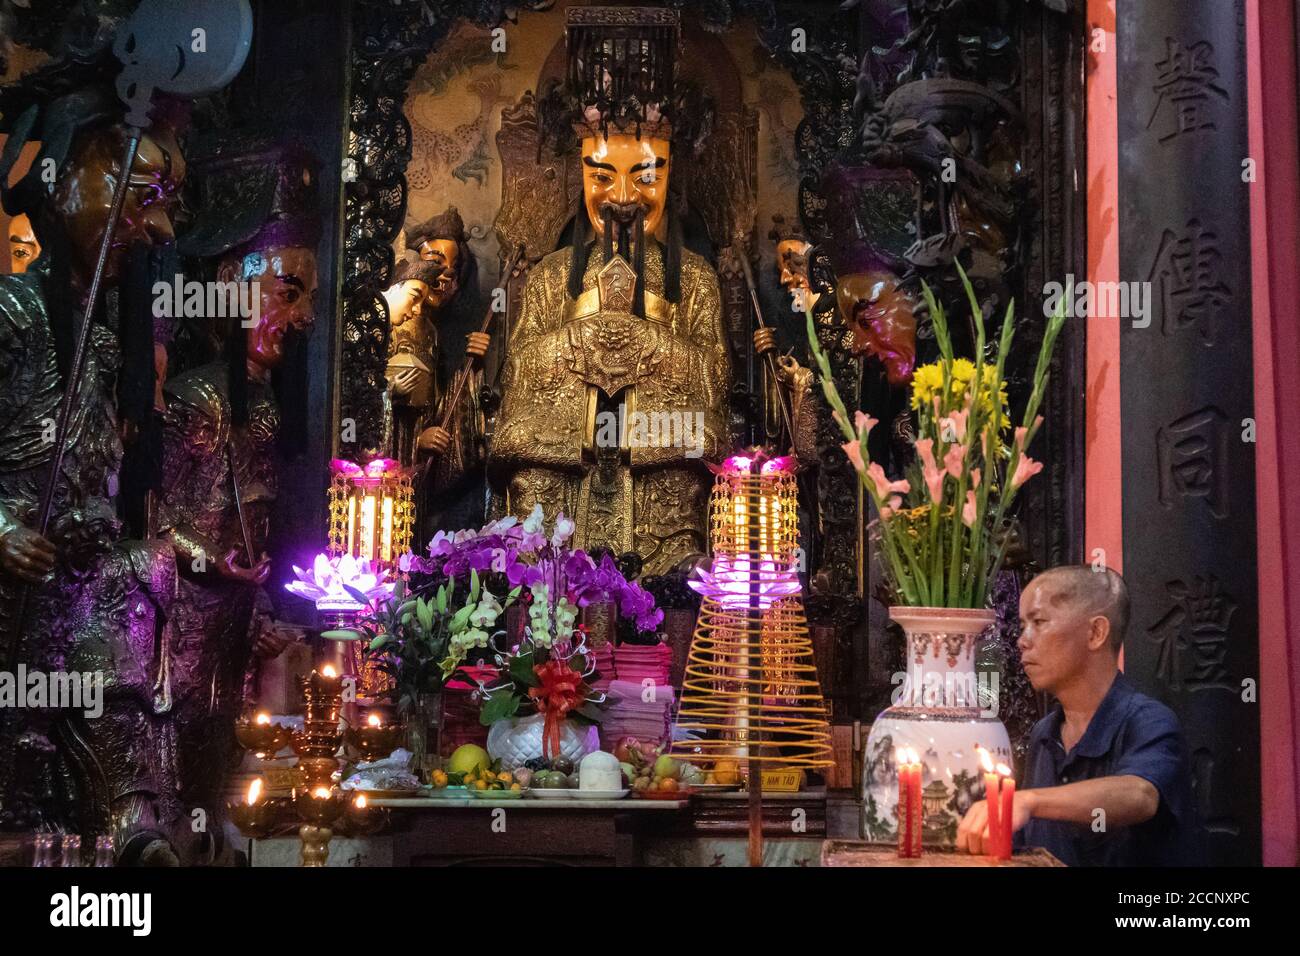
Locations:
{"points": [[787, 416], [72, 385]]}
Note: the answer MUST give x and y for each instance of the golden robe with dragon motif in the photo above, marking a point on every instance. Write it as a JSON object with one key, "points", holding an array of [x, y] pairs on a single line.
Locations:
{"points": [[609, 416]]}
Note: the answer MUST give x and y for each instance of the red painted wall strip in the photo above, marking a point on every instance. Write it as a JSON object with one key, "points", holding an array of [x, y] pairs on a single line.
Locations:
{"points": [[1103, 516], [1275, 238]]}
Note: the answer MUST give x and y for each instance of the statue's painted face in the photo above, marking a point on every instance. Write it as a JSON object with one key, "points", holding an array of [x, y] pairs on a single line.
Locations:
{"points": [[792, 263], [623, 174], [23, 247], [286, 285], [84, 194], [445, 252], [882, 317], [406, 302]]}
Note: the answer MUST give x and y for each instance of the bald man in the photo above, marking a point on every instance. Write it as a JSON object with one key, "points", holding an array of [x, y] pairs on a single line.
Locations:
{"points": [[1106, 781]]}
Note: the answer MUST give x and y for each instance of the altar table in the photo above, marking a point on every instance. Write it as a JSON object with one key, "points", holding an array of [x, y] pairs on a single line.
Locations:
{"points": [[862, 853]]}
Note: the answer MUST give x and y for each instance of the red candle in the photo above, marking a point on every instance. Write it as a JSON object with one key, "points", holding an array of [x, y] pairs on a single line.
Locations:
{"points": [[1007, 812], [918, 816], [992, 798], [908, 812], [903, 813]]}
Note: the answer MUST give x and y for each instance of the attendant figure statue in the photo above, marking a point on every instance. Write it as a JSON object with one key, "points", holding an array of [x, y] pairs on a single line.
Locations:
{"points": [[617, 370], [413, 393], [93, 602], [454, 453], [219, 468], [793, 252]]}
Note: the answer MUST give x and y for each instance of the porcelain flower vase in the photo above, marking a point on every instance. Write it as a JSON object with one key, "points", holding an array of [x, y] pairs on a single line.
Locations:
{"points": [[943, 712], [519, 739]]}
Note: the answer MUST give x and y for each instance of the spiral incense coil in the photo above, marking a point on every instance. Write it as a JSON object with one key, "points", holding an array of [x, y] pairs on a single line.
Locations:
{"points": [[750, 689]]}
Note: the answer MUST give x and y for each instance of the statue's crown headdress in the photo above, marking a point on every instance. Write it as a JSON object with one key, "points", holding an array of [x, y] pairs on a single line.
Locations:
{"points": [[622, 65]]}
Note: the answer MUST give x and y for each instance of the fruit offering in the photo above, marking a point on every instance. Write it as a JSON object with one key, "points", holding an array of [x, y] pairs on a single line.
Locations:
{"points": [[659, 775], [468, 757], [482, 778]]}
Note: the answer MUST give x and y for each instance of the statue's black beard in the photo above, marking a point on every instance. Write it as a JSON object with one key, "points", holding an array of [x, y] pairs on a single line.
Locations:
{"points": [[627, 233]]}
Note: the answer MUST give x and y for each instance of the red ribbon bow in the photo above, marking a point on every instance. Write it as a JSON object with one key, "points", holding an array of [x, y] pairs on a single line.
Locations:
{"points": [[558, 694]]}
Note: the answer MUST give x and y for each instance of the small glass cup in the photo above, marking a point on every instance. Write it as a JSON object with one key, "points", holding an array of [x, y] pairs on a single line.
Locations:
{"points": [[103, 850], [44, 855], [71, 850]]}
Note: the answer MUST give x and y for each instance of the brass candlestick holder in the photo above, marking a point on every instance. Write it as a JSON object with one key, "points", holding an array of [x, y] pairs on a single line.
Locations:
{"points": [[316, 809], [262, 737], [374, 739]]}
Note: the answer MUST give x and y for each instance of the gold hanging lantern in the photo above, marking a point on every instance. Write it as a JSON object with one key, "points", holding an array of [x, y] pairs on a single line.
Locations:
{"points": [[751, 693], [372, 511]]}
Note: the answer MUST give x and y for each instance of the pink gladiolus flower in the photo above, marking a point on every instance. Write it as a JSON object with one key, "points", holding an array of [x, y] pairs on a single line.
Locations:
{"points": [[968, 511], [958, 421], [975, 478], [1026, 468], [885, 487], [955, 460], [854, 451], [864, 423], [1021, 432], [929, 470]]}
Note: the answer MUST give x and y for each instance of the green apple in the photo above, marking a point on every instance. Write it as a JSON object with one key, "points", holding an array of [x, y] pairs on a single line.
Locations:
{"points": [[666, 766]]}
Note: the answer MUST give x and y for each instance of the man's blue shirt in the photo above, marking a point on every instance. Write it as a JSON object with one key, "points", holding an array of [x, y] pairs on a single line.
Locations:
{"points": [[1130, 734]]}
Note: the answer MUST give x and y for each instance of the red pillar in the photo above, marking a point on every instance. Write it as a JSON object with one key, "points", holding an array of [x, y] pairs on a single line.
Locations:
{"points": [[1275, 231]]}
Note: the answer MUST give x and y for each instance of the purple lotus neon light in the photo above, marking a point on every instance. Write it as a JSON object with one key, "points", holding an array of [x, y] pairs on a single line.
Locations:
{"points": [[327, 581]]}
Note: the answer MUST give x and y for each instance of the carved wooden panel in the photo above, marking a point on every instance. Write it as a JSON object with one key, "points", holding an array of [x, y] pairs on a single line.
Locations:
{"points": [[1187, 388]]}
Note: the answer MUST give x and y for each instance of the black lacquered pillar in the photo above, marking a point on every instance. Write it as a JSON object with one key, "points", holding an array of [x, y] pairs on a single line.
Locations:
{"points": [[1187, 395]]}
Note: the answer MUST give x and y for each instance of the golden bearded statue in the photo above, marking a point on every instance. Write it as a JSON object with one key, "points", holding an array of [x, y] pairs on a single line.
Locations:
{"points": [[616, 381]]}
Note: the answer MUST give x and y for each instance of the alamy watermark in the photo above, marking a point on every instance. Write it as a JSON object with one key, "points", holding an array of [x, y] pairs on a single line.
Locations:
{"points": [[939, 688], [214, 300], [1100, 300], [674, 429], [59, 690]]}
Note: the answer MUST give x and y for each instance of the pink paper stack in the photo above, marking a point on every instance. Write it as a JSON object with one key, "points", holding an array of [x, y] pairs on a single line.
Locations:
{"points": [[638, 712], [603, 657], [636, 662]]}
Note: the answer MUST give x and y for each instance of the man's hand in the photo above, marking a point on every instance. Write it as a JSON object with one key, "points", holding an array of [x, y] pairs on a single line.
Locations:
{"points": [[478, 343], [973, 831], [403, 383], [272, 639], [231, 569], [436, 439], [26, 555]]}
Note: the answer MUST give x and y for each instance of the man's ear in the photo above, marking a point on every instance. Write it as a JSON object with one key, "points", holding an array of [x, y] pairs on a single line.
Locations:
{"points": [[1098, 632]]}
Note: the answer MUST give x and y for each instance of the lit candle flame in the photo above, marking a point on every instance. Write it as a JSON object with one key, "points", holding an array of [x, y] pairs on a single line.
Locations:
{"points": [[900, 755], [255, 791], [985, 759], [321, 793], [374, 721], [1004, 770], [329, 671], [360, 801], [913, 755], [263, 719]]}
